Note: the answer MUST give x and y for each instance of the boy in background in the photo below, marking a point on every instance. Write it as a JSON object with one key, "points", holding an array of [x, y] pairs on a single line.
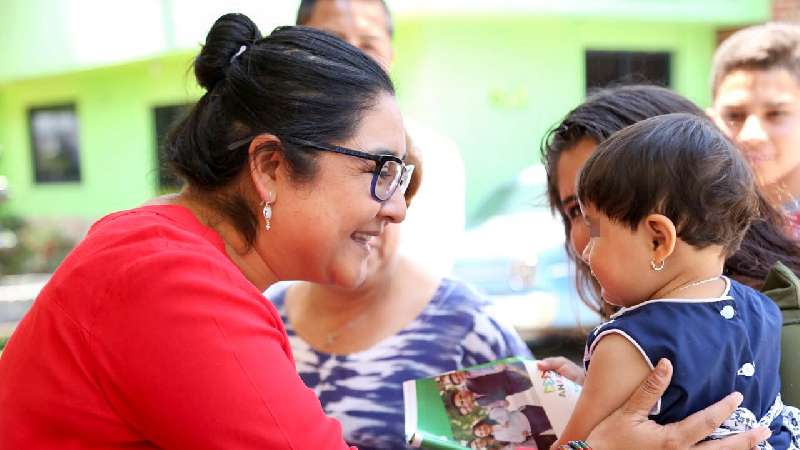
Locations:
{"points": [[756, 102]]}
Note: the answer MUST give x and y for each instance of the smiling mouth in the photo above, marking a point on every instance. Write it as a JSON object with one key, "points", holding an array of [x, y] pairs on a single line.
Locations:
{"points": [[363, 239]]}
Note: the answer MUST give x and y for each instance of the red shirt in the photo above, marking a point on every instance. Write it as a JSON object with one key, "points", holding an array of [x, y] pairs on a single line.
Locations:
{"points": [[148, 336]]}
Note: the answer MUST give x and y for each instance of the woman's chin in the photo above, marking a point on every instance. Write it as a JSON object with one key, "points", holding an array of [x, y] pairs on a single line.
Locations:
{"points": [[350, 277]]}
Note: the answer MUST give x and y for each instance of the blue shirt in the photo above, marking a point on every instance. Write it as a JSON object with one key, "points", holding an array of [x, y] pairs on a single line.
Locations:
{"points": [[716, 346], [364, 390]]}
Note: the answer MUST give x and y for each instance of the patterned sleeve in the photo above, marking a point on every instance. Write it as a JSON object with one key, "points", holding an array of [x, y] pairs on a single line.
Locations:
{"points": [[488, 339]]}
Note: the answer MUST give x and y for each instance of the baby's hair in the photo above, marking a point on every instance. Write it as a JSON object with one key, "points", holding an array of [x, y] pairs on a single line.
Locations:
{"points": [[678, 165]]}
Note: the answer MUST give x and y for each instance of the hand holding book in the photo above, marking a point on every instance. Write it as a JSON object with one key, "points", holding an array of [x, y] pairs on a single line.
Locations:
{"points": [[434, 421]]}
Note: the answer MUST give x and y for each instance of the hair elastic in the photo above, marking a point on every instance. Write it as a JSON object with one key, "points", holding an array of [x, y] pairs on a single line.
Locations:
{"points": [[241, 50]]}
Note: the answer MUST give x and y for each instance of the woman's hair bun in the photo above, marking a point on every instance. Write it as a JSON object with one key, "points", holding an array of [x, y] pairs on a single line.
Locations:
{"points": [[228, 34]]}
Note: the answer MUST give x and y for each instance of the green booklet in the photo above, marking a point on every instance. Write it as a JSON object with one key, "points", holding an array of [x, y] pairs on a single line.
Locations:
{"points": [[506, 404]]}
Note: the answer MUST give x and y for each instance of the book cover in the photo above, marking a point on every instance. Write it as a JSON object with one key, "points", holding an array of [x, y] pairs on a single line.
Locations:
{"points": [[506, 404]]}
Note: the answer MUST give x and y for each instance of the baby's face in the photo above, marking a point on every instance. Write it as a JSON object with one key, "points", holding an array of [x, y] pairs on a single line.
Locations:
{"points": [[760, 111], [619, 259]]}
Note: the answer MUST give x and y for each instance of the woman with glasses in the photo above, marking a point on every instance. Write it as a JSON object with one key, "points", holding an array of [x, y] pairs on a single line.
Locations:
{"points": [[356, 346], [153, 332]]}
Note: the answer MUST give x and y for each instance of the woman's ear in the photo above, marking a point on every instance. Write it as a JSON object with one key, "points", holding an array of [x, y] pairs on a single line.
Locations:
{"points": [[265, 156], [662, 236]]}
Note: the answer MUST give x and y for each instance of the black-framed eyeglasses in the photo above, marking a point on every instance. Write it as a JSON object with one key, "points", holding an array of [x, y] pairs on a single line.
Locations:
{"points": [[390, 173]]}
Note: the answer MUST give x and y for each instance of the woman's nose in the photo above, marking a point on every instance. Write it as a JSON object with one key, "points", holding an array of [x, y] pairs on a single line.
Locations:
{"points": [[394, 209]]}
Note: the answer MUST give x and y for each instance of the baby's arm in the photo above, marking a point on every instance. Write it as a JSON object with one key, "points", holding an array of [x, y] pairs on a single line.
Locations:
{"points": [[616, 370]]}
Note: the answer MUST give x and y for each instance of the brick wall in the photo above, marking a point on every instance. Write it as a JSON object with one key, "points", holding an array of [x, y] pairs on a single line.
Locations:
{"points": [[782, 11], [786, 10]]}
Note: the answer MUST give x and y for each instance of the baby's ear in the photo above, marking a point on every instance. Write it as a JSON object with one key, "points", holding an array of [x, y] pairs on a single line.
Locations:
{"points": [[662, 236]]}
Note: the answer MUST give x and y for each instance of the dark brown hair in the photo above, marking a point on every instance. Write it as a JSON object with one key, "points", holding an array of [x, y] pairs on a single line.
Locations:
{"points": [[761, 47], [413, 156], [298, 83], [681, 166], [601, 115], [611, 110]]}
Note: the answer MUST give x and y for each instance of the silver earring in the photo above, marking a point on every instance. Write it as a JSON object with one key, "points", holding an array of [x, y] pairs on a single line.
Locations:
{"points": [[267, 211], [657, 268]]}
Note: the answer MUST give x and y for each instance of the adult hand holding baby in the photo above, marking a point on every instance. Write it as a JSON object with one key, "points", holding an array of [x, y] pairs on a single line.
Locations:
{"points": [[629, 427]]}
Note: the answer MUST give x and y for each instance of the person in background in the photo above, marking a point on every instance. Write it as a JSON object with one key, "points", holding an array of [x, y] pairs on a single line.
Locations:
{"points": [[356, 346], [433, 229], [756, 101]]}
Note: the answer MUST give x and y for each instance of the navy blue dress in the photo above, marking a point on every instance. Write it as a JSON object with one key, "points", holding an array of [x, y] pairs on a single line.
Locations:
{"points": [[716, 346]]}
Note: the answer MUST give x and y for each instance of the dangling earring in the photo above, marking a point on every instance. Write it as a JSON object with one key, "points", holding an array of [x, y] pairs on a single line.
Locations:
{"points": [[267, 211], [656, 268]]}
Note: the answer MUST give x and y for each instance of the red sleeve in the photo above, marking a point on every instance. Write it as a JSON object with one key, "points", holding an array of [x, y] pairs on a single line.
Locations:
{"points": [[192, 356]]}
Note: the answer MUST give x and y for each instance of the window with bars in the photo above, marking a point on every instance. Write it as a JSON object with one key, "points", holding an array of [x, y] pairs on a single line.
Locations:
{"points": [[164, 118], [55, 144], [612, 68]]}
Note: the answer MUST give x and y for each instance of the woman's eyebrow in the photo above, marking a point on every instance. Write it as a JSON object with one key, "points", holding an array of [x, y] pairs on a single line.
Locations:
{"points": [[386, 151], [569, 199]]}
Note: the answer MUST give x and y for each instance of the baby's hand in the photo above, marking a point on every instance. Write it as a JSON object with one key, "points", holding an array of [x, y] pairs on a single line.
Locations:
{"points": [[563, 367]]}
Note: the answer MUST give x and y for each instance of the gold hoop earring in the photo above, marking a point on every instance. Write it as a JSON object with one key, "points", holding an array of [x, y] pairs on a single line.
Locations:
{"points": [[656, 268]]}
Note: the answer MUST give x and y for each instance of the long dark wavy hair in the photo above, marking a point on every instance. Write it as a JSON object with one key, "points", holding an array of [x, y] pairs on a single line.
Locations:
{"points": [[610, 110]]}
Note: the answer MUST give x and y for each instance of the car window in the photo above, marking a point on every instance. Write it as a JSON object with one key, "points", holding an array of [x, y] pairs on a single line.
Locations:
{"points": [[525, 193]]}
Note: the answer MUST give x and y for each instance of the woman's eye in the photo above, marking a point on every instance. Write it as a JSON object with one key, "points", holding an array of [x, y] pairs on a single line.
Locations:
{"points": [[573, 212]]}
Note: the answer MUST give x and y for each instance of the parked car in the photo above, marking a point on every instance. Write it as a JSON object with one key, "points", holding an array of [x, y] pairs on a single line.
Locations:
{"points": [[514, 252]]}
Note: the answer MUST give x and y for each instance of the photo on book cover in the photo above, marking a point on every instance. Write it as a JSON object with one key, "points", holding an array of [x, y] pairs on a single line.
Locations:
{"points": [[495, 407], [508, 404]]}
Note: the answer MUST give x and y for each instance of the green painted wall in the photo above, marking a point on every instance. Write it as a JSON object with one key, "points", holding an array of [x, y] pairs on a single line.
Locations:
{"points": [[719, 12], [493, 84], [46, 37], [114, 108], [496, 85]]}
